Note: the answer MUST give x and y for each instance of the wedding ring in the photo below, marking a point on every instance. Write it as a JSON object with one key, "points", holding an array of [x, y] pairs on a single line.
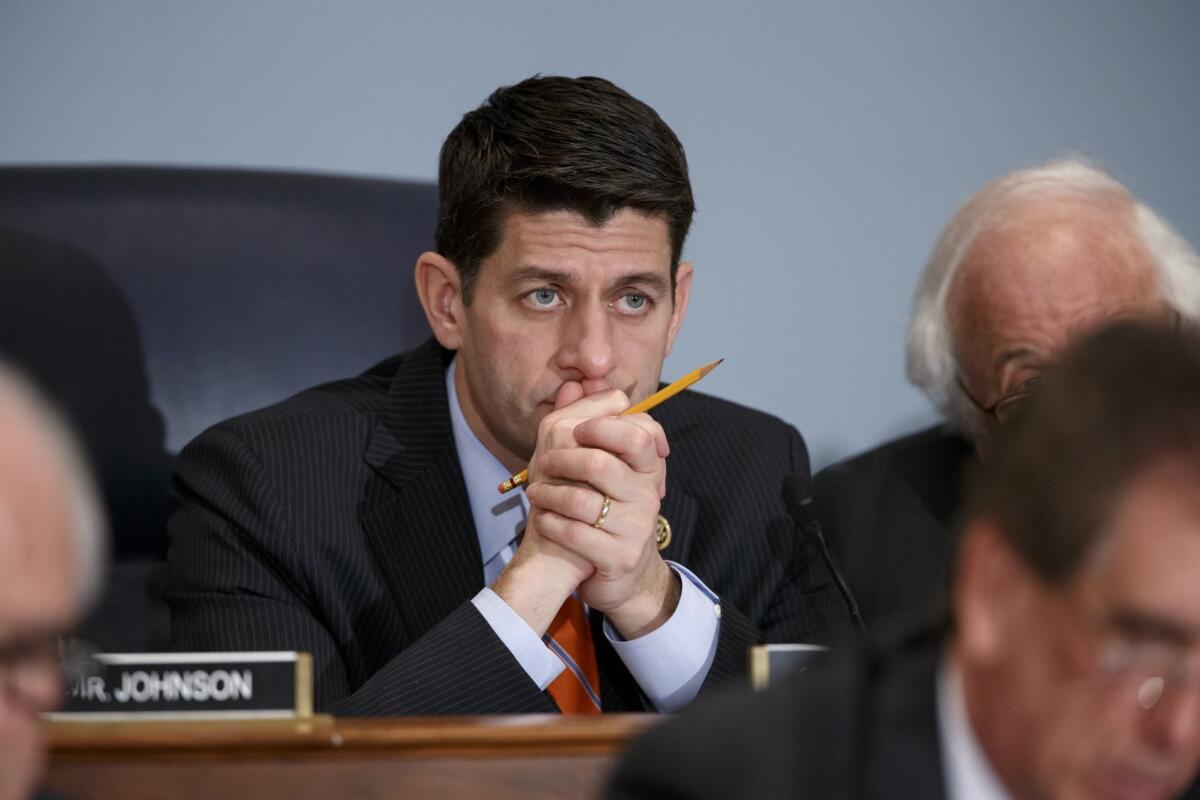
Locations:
{"points": [[599, 523]]}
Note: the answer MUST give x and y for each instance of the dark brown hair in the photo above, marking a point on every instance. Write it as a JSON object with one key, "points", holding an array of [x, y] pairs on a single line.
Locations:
{"points": [[551, 144]]}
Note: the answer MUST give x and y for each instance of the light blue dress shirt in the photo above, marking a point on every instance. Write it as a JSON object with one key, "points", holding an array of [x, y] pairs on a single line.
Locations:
{"points": [[669, 663]]}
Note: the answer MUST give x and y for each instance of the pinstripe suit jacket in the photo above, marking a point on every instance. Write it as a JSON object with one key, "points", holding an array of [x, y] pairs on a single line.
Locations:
{"points": [[337, 522]]}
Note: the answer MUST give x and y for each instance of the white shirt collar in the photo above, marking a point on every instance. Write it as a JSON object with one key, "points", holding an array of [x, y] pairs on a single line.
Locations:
{"points": [[498, 518], [965, 767]]}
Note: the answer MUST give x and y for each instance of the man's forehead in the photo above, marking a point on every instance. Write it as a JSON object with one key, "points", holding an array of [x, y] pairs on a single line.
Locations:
{"points": [[1050, 243], [526, 236], [1050, 278], [38, 562], [38, 558], [632, 277], [1148, 562], [37, 598]]}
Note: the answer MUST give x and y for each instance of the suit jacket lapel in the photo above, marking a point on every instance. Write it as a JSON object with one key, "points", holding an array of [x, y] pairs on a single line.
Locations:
{"points": [[416, 514]]}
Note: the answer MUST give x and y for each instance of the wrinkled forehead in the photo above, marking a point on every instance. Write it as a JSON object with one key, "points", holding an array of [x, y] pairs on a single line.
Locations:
{"points": [[551, 240], [1040, 282], [1055, 245]]}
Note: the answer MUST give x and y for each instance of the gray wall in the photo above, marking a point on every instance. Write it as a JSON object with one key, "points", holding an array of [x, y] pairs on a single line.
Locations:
{"points": [[828, 140]]}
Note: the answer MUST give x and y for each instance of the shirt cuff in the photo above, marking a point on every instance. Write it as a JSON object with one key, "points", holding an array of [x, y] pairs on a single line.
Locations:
{"points": [[541, 665], [671, 662]]}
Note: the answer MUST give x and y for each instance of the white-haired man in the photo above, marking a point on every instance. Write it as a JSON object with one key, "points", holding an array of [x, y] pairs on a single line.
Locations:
{"points": [[51, 537], [1026, 266]]}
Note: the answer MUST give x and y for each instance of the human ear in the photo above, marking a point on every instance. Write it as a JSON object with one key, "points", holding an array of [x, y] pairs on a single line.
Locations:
{"points": [[991, 587], [439, 286], [683, 292]]}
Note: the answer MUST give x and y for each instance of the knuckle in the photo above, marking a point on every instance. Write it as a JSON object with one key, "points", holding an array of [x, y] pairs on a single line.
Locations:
{"points": [[595, 462], [559, 433], [627, 560], [640, 439], [536, 524], [648, 497], [578, 502], [573, 533]]}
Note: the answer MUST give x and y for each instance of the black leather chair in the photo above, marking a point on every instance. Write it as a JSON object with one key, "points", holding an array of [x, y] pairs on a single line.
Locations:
{"points": [[152, 302]]}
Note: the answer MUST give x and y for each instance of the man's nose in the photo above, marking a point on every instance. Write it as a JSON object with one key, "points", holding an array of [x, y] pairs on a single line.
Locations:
{"points": [[586, 346]]}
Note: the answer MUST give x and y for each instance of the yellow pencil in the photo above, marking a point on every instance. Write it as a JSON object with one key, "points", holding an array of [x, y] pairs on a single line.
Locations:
{"points": [[665, 393]]}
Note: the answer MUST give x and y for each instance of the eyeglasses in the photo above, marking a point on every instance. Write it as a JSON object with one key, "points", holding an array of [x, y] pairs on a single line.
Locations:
{"points": [[1143, 664], [1006, 408], [1150, 668]]}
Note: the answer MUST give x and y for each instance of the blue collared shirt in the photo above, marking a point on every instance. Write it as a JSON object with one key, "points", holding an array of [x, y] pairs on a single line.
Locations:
{"points": [[669, 663]]}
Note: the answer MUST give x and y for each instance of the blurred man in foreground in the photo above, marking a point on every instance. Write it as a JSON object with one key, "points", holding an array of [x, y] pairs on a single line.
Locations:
{"points": [[1029, 264], [51, 536], [1071, 667]]}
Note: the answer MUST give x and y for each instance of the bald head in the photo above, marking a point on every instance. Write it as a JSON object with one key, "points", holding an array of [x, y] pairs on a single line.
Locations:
{"points": [[1027, 265], [1055, 270]]}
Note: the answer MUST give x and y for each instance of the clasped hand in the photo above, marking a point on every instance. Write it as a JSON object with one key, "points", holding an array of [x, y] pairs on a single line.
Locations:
{"points": [[586, 452]]}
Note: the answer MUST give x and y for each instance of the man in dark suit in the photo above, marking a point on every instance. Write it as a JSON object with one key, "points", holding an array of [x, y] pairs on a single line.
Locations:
{"points": [[1027, 265], [1072, 666], [361, 521]]}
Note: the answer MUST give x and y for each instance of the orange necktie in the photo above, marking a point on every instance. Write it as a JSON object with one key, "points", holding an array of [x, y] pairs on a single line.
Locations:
{"points": [[577, 689]]}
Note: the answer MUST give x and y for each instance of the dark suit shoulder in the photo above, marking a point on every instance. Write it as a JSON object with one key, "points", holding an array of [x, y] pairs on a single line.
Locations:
{"points": [[692, 408], [363, 394], [769, 744], [264, 459], [920, 474], [860, 724], [888, 515], [925, 451], [713, 432]]}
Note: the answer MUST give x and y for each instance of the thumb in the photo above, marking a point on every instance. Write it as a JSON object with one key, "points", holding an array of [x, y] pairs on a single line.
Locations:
{"points": [[568, 393]]}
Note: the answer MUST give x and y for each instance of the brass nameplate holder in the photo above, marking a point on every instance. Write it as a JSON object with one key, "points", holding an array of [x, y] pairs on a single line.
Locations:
{"points": [[249, 685]]}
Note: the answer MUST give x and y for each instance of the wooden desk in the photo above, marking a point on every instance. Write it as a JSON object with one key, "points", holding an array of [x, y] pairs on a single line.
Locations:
{"points": [[517, 756]]}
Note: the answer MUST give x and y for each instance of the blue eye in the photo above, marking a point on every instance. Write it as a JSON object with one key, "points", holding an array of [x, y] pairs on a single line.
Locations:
{"points": [[634, 303], [543, 298]]}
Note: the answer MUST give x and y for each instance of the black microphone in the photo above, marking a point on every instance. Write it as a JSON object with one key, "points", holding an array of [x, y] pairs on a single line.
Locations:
{"points": [[798, 500]]}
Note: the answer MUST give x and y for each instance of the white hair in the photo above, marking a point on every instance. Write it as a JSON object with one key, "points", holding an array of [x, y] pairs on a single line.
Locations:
{"points": [[89, 530], [931, 364]]}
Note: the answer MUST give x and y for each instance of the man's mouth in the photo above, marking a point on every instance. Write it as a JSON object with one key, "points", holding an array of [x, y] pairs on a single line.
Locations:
{"points": [[628, 389]]}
